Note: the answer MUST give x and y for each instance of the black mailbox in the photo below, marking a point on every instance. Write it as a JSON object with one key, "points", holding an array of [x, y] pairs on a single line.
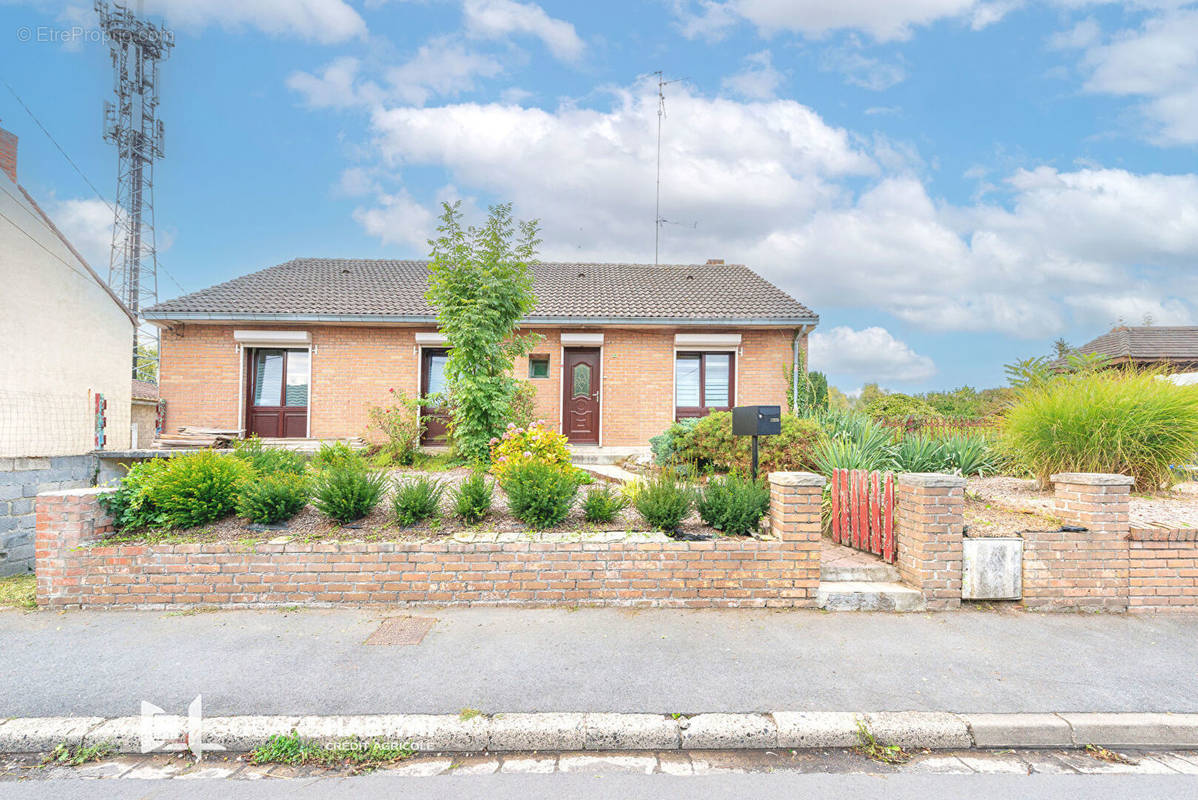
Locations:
{"points": [[756, 420]]}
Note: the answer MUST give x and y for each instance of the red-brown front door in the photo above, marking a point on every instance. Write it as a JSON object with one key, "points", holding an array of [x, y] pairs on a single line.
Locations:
{"points": [[277, 401], [432, 387], [580, 408]]}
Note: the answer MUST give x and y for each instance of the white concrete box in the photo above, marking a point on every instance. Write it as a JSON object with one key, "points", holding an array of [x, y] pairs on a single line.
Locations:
{"points": [[992, 568]]}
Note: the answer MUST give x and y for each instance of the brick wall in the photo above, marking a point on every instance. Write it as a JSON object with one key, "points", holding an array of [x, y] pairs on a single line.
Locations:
{"points": [[74, 572], [21, 480], [1066, 570], [929, 519], [354, 366], [1163, 570]]}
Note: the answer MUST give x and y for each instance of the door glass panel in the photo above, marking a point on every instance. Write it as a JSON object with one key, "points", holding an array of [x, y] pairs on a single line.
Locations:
{"points": [[297, 377], [268, 377], [436, 373], [582, 380], [686, 381], [715, 379]]}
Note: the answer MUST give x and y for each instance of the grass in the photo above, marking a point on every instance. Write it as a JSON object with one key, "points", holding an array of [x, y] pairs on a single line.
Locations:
{"points": [[65, 755], [360, 755], [18, 591], [871, 748], [469, 714]]}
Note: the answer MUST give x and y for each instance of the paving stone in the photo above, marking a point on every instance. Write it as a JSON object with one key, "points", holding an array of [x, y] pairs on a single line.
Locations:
{"points": [[422, 768], [631, 732], [995, 764], [42, 734], [207, 773], [475, 765], [719, 731], [537, 732], [103, 769], [675, 764], [1134, 730], [1092, 766], [1175, 762], [155, 771], [1047, 764], [914, 729], [644, 765], [803, 729], [529, 764], [940, 765], [1018, 730]]}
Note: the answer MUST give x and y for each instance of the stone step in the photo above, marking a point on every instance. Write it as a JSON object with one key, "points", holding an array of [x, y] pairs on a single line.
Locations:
{"points": [[877, 572], [868, 596]]}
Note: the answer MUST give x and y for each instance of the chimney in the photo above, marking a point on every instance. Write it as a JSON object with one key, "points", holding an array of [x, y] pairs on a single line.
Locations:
{"points": [[709, 261], [8, 154]]}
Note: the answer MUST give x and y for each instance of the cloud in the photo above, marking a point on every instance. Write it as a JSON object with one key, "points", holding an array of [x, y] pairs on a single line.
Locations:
{"points": [[324, 21], [87, 224], [494, 19], [860, 69], [882, 20], [398, 219], [758, 81], [871, 354]]}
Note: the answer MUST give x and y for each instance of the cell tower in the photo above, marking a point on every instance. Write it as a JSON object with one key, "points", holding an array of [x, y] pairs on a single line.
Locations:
{"points": [[132, 124]]}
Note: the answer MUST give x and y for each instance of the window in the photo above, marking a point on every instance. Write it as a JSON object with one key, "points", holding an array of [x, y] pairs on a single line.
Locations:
{"points": [[538, 366], [703, 382], [281, 378]]}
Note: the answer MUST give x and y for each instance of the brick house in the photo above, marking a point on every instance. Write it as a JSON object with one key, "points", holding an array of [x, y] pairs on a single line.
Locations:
{"points": [[304, 348]]}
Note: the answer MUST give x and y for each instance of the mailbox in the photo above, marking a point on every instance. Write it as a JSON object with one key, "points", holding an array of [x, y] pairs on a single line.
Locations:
{"points": [[756, 420]]}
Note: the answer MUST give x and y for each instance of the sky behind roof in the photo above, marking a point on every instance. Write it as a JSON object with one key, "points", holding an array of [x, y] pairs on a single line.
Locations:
{"points": [[951, 184]]}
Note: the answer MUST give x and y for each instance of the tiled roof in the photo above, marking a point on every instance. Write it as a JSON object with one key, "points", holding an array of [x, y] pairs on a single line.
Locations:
{"points": [[144, 390], [326, 287], [1147, 342]]}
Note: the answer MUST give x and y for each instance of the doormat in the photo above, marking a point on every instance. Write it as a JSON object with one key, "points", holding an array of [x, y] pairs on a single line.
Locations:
{"points": [[401, 630]]}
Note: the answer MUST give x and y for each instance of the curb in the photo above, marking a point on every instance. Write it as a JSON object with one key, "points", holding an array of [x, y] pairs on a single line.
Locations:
{"points": [[614, 731]]}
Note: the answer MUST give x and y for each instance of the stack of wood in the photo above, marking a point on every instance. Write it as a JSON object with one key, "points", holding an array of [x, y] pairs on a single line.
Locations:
{"points": [[191, 437]]}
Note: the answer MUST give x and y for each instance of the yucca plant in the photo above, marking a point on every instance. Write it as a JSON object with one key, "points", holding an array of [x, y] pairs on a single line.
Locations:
{"points": [[967, 455], [1119, 421], [918, 453], [853, 441]]}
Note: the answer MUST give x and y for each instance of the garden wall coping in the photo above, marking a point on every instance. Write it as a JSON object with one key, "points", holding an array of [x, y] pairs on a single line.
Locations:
{"points": [[1092, 478], [797, 479], [931, 480]]}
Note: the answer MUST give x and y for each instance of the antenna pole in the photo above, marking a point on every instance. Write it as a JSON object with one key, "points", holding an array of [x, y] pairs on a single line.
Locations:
{"points": [[661, 111]]}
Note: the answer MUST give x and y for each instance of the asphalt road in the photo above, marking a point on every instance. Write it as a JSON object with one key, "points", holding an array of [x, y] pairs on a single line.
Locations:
{"points": [[314, 662], [633, 787]]}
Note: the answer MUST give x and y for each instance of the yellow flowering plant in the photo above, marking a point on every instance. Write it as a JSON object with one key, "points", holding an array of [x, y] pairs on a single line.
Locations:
{"points": [[520, 446]]}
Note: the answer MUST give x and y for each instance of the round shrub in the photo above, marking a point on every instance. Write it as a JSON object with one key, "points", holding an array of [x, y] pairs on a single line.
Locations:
{"points": [[417, 499], [131, 505], [899, 408], [472, 498], [664, 501], [269, 460], [539, 494], [199, 487], [709, 444], [348, 493], [520, 446], [733, 504], [273, 498], [337, 454], [602, 504]]}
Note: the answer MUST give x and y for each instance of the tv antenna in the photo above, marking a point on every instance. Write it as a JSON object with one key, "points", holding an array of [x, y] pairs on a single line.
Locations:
{"points": [[662, 83]]}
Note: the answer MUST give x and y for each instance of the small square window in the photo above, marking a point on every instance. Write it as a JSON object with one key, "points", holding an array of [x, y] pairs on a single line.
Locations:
{"points": [[538, 366]]}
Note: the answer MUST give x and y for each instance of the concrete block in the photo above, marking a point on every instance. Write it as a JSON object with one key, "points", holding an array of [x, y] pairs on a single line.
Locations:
{"points": [[30, 464], [631, 732], [7, 464], [10, 491], [538, 731], [8, 523], [242, 734], [1134, 730], [992, 568], [645, 765], [125, 733], [728, 731], [934, 730], [804, 729], [424, 732], [1018, 730], [41, 734], [21, 507]]}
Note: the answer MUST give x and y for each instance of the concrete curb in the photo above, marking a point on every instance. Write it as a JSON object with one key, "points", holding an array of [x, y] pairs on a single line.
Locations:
{"points": [[614, 731]]}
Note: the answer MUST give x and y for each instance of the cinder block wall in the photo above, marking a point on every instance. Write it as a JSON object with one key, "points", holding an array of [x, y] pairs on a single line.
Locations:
{"points": [[21, 480]]}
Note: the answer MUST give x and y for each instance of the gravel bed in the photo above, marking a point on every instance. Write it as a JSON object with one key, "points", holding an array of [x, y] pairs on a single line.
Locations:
{"points": [[379, 525], [1175, 508]]}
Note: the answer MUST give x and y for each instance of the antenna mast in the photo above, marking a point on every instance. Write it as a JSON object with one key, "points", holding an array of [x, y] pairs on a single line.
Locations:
{"points": [[132, 124], [662, 83]]}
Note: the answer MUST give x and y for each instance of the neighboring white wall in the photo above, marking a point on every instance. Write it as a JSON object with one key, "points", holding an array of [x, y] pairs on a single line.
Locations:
{"points": [[63, 337]]}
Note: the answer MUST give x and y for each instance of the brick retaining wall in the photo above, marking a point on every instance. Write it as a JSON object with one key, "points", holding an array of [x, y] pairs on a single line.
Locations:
{"points": [[74, 572], [21, 480], [1163, 570]]}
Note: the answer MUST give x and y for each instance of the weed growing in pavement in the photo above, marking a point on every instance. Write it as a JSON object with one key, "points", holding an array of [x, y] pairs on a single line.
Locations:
{"points": [[871, 748], [65, 755], [469, 713], [358, 754], [1111, 757]]}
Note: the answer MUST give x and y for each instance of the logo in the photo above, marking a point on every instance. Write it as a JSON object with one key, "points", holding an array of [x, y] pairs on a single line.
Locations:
{"points": [[163, 733]]}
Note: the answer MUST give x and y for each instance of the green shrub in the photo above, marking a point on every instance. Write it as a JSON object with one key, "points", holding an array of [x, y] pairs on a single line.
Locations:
{"points": [[416, 499], [709, 444], [853, 441], [917, 453], [273, 498], [667, 445], [402, 426], [472, 498], [333, 455], [269, 460], [967, 455], [733, 504], [899, 408], [131, 505], [539, 494], [664, 501], [199, 487], [602, 504], [520, 446], [348, 493], [1115, 421]]}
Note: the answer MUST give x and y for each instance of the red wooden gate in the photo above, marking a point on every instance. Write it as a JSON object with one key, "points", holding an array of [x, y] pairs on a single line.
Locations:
{"points": [[863, 511]]}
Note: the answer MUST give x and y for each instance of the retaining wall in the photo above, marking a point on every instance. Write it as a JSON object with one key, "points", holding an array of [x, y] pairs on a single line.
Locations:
{"points": [[21, 480]]}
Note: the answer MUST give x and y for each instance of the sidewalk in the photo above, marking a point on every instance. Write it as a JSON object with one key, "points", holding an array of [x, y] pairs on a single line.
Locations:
{"points": [[314, 662]]}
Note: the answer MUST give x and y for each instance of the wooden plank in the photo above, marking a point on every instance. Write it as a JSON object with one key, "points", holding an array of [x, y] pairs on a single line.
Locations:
{"points": [[857, 508], [875, 522], [888, 521], [834, 531], [845, 507]]}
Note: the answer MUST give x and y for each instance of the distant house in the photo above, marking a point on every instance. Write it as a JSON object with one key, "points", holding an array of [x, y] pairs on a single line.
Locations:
{"points": [[1172, 347], [303, 349], [65, 368]]}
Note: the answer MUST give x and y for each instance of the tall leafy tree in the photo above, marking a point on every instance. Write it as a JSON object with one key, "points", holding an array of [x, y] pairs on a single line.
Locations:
{"points": [[481, 286]]}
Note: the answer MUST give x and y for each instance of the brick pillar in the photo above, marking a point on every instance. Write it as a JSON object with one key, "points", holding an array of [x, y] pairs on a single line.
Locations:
{"points": [[1066, 570], [929, 523], [65, 520], [796, 499]]}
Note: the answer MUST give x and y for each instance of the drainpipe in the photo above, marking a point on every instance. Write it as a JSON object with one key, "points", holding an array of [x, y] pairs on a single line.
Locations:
{"points": [[794, 394]]}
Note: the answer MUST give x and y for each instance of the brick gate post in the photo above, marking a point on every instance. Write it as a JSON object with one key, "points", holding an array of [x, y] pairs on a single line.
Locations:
{"points": [[796, 499]]}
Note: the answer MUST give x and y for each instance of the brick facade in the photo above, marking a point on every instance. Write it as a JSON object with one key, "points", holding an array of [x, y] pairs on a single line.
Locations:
{"points": [[929, 522], [780, 572], [354, 366], [1162, 569]]}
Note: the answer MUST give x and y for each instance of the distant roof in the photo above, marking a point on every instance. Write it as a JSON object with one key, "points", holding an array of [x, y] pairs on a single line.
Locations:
{"points": [[329, 289], [144, 390], [1149, 342]]}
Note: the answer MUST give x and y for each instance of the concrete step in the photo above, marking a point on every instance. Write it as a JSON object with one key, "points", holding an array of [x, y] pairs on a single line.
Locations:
{"points": [[868, 596], [876, 572]]}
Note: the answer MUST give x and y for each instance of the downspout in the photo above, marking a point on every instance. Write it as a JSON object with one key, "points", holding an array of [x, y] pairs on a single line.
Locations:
{"points": [[794, 392]]}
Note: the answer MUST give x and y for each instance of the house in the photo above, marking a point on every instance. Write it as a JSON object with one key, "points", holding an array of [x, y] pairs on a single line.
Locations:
{"points": [[304, 348], [1174, 348], [144, 414], [65, 383]]}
